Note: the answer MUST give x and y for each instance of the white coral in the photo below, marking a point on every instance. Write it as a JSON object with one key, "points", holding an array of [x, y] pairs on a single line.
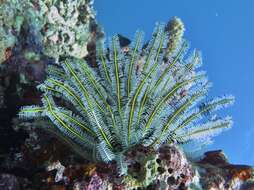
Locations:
{"points": [[67, 33]]}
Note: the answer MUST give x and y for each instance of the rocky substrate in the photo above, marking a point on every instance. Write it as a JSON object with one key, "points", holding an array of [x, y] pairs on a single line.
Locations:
{"points": [[42, 162]]}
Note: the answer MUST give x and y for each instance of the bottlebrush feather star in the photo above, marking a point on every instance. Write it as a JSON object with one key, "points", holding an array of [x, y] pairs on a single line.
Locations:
{"points": [[146, 95]]}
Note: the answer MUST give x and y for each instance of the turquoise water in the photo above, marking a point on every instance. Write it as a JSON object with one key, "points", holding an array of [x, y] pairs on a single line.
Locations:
{"points": [[223, 30]]}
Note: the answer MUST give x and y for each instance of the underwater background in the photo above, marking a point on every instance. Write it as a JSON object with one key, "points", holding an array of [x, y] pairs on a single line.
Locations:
{"points": [[223, 31], [87, 102]]}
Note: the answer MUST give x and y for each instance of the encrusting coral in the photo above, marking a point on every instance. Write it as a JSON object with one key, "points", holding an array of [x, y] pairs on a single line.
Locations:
{"points": [[26, 49], [67, 28], [10, 22], [59, 28], [129, 100], [166, 168]]}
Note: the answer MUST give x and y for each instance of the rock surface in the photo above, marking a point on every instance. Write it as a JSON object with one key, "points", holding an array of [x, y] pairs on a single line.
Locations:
{"points": [[217, 173], [8, 182], [164, 169]]}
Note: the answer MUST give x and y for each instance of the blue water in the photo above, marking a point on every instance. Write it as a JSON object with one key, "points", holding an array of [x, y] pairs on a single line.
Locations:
{"points": [[223, 30]]}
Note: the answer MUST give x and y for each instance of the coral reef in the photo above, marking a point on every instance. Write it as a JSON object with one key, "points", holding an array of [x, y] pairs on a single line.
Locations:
{"points": [[34, 34], [111, 117], [10, 25], [148, 169], [67, 28], [54, 28], [166, 168], [179, 172], [217, 173], [23, 55]]}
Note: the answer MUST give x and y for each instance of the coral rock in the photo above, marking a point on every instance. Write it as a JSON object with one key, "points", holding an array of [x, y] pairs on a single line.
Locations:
{"points": [[164, 169], [217, 173]]}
